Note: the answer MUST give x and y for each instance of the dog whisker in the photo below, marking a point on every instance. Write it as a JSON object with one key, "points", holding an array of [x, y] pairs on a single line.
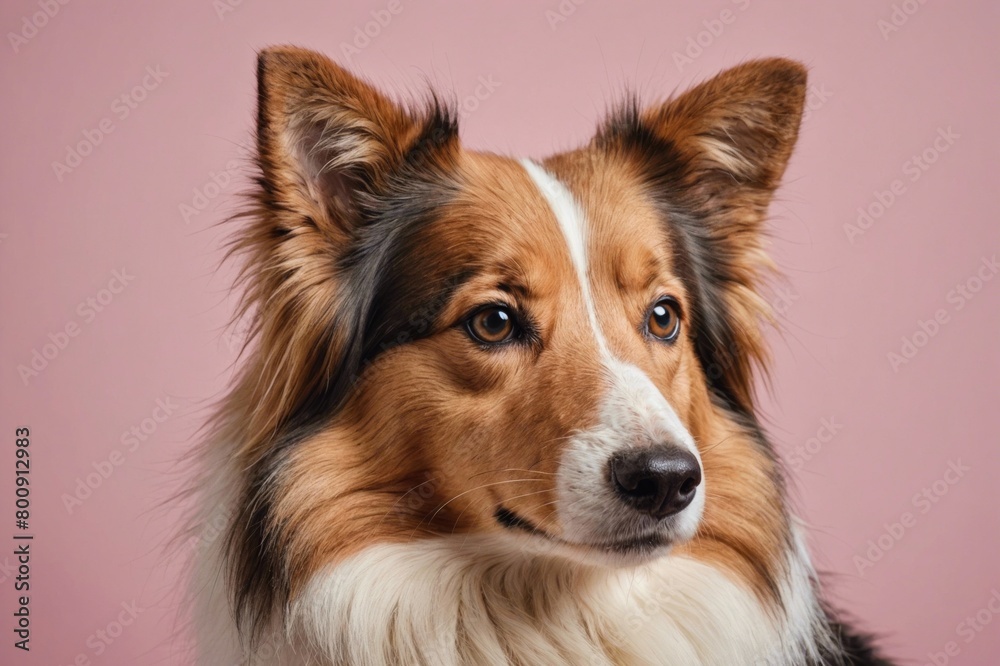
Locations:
{"points": [[466, 492]]}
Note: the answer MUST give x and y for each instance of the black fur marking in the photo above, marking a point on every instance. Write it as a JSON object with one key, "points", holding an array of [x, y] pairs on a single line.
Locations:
{"points": [[262, 122], [256, 569], [380, 296], [852, 648], [387, 300], [511, 520], [378, 300]]}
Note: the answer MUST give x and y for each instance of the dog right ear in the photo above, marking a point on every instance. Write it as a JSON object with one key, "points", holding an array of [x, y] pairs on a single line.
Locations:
{"points": [[329, 148], [325, 139]]}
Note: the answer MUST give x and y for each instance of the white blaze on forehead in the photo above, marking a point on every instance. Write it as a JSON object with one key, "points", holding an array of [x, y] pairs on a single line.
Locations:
{"points": [[632, 398], [574, 228], [633, 411]]}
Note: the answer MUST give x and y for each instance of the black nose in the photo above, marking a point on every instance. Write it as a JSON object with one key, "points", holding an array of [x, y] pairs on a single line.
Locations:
{"points": [[659, 480]]}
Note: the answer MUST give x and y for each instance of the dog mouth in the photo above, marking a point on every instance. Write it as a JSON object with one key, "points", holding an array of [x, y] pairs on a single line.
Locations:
{"points": [[640, 545]]}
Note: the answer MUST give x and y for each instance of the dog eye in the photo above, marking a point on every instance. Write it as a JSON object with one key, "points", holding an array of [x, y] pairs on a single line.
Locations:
{"points": [[664, 322], [492, 325]]}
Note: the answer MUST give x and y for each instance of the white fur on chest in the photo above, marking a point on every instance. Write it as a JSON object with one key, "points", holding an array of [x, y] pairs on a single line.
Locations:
{"points": [[457, 601]]}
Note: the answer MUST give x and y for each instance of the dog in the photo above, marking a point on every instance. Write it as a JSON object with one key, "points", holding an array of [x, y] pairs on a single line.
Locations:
{"points": [[502, 411]]}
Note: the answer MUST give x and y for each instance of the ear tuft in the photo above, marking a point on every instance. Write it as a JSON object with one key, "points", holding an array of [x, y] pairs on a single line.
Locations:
{"points": [[743, 122], [737, 128], [324, 136]]}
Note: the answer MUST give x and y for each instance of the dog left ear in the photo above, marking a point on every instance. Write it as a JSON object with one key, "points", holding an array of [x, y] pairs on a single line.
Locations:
{"points": [[737, 130], [712, 159]]}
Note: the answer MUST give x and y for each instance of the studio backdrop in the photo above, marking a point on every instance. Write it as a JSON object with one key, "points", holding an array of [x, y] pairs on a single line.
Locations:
{"points": [[126, 141]]}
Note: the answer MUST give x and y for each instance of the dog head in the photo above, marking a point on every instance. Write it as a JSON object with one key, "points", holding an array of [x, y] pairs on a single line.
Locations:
{"points": [[555, 353]]}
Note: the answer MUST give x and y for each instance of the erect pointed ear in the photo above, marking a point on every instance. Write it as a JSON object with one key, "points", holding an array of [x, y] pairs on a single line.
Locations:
{"points": [[344, 175], [325, 138], [712, 158], [332, 151], [737, 130]]}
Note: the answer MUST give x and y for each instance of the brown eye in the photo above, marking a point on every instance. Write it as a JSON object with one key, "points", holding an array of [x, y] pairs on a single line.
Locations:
{"points": [[664, 321], [492, 325]]}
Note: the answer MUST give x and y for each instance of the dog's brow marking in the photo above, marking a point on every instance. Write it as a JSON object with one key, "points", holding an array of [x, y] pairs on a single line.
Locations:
{"points": [[571, 222]]}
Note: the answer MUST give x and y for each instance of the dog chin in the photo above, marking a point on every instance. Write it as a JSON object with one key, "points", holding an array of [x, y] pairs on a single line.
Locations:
{"points": [[625, 544], [624, 553], [631, 550], [616, 547]]}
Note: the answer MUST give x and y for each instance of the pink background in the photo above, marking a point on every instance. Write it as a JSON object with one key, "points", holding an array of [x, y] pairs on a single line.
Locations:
{"points": [[877, 101]]}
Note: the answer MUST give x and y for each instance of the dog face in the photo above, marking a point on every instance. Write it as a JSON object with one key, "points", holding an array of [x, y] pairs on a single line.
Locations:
{"points": [[547, 392], [556, 353]]}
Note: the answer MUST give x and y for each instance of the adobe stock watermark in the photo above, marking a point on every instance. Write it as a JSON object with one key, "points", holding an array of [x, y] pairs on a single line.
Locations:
{"points": [[365, 34], [923, 501], [652, 603], [201, 197], [130, 440], [714, 28], [803, 453], [967, 630], [561, 13], [121, 108], [420, 499], [958, 297], [913, 169], [32, 24], [236, 336], [817, 96], [104, 637], [87, 312], [781, 298], [7, 570], [899, 17], [223, 7], [209, 532], [644, 607], [485, 89], [265, 652], [216, 184]]}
